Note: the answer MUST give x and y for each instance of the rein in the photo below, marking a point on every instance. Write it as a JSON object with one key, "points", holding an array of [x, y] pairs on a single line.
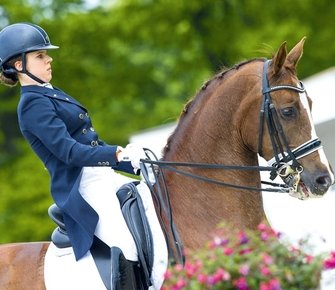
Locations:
{"points": [[171, 166], [284, 163]]}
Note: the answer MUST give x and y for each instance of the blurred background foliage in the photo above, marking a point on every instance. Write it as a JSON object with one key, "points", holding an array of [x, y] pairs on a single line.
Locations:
{"points": [[134, 63]]}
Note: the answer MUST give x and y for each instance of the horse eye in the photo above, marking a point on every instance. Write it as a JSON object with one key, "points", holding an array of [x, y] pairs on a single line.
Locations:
{"points": [[288, 113]]}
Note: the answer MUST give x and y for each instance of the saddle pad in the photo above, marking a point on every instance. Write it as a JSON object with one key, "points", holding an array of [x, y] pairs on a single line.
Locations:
{"points": [[62, 271]]}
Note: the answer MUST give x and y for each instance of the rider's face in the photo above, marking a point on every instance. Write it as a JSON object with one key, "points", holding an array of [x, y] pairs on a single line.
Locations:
{"points": [[38, 63]]}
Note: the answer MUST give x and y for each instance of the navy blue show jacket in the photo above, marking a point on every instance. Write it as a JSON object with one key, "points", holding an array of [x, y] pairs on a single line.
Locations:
{"points": [[59, 130]]}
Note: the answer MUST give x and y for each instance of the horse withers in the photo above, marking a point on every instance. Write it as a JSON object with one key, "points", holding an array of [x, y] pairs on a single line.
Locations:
{"points": [[256, 107]]}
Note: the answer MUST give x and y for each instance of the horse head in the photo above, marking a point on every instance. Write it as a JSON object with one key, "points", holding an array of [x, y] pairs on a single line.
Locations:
{"points": [[290, 141]]}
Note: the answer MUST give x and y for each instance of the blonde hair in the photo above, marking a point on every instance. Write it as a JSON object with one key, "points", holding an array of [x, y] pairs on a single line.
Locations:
{"points": [[9, 79]]}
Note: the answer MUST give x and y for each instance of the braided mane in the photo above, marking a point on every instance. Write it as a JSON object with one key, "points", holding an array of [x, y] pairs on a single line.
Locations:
{"points": [[202, 91]]}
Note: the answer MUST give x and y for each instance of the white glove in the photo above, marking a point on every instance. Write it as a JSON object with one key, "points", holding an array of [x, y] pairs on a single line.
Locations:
{"points": [[132, 153]]}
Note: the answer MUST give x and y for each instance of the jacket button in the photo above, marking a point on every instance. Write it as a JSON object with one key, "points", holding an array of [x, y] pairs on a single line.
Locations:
{"points": [[86, 114], [92, 129], [94, 143], [84, 131], [99, 163], [81, 116]]}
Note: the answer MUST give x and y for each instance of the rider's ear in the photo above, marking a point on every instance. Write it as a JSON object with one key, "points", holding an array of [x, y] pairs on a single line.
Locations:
{"points": [[296, 53], [18, 65], [279, 59]]}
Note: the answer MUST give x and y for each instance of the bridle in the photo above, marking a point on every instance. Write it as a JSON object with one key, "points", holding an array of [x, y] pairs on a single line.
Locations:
{"points": [[284, 163]]}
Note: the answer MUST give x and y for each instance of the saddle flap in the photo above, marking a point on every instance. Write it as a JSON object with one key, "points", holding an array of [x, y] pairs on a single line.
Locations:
{"points": [[134, 214]]}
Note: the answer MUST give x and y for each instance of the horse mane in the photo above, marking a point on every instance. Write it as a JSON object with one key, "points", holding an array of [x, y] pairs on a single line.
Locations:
{"points": [[201, 92]]}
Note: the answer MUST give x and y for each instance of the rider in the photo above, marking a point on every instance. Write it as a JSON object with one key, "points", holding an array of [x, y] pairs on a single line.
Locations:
{"points": [[59, 130]]}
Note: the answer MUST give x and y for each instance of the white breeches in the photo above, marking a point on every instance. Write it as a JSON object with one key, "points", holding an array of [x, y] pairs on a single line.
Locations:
{"points": [[98, 187]]}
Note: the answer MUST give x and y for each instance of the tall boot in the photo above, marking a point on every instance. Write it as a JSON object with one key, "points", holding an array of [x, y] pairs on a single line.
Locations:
{"points": [[126, 275]]}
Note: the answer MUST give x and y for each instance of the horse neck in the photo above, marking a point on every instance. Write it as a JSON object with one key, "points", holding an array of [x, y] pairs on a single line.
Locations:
{"points": [[209, 129]]}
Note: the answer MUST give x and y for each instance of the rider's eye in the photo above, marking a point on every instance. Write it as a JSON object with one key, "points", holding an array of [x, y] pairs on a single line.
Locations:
{"points": [[288, 113]]}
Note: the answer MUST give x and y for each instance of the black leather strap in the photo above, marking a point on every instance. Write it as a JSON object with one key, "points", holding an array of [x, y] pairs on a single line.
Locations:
{"points": [[101, 254], [134, 214]]}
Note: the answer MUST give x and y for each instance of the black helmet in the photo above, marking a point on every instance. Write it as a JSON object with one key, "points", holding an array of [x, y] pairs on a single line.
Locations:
{"points": [[20, 38]]}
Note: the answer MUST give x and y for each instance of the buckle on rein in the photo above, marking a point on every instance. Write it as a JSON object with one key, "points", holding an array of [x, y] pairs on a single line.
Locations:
{"points": [[291, 177]]}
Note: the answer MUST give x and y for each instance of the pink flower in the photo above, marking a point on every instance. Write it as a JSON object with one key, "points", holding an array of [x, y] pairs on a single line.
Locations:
{"points": [[309, 259], [330, 262], [267, 231], [224, 275], [192, 269], [167, 275], [242, 238], [262, 227], [264, 236], [244, 270], [264, 286], [273, 284], [245, 251], [202, 278], [179, 267], [218, 242], [219, 275], [265, 271], [241, 283], [228, 251], [180, 284], [267, 259]]}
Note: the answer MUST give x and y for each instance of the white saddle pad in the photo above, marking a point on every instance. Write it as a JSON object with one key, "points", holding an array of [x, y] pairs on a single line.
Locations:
{"points": [[63, 272]]}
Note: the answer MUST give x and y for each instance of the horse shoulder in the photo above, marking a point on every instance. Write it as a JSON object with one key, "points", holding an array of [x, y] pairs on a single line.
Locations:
{"points": [[22, 265]]}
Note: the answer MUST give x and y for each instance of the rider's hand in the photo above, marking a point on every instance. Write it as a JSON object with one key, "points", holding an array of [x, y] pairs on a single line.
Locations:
{"points": [[132, 153]]}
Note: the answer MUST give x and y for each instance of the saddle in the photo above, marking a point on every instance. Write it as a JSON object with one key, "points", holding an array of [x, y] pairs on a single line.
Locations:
{"points": [[59, 236], [116, 272]]}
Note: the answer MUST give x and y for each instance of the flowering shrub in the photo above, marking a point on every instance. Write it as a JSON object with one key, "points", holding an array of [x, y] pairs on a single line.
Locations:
{"points": [[249, 260]]}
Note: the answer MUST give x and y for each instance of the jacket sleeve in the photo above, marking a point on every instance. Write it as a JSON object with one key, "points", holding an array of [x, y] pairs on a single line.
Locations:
{"points": [[38, 118]]}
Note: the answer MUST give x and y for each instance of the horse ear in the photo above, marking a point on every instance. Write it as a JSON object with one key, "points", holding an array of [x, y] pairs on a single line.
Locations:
{"points": [[296, 53], [279, 58]]}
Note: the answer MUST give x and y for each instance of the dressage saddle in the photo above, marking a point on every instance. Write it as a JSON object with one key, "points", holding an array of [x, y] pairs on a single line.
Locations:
{"points": [[115, 270]]}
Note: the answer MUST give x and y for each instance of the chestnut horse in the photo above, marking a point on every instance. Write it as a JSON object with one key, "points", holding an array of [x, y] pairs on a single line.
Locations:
{"points": [[257, 106]]}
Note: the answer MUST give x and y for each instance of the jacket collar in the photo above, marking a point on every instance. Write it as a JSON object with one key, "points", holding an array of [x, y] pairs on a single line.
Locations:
{"points": [[53, 93]]}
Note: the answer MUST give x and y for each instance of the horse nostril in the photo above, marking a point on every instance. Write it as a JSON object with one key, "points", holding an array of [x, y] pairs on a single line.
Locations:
{"points": [[324, 182]]}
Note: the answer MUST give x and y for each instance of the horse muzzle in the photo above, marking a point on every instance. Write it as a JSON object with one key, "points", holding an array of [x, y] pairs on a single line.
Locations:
{"points": [[312, 185]]}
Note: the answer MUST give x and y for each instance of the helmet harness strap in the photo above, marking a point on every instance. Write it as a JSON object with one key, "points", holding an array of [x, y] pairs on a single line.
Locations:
{"points": [[25, 71], [13, 70]]}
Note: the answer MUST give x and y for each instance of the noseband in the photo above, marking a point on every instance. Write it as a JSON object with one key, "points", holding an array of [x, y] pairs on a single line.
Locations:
{"points": [[284, 162]]}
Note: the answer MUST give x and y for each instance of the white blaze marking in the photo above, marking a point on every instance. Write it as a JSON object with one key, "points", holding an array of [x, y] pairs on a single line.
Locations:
{"points": [[321, 152]]}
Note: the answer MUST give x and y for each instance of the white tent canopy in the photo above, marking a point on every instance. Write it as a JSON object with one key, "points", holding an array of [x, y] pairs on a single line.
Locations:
{"points": [[321, 88]]}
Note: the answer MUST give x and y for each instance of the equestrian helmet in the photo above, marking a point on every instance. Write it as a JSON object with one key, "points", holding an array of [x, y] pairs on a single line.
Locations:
{"points": [[21, 38]]}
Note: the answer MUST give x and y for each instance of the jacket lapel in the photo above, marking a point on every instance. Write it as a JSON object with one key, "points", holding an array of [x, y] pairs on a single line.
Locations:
{"points": [[54, 93]]}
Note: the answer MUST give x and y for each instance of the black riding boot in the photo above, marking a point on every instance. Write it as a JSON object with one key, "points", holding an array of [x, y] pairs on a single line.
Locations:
{"points": [[126, 275]]}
